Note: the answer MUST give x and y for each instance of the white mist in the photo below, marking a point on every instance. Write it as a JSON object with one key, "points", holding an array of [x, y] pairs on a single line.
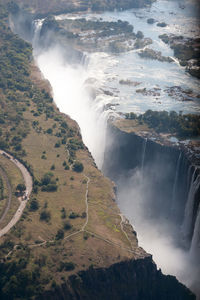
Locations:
{"points": [[75, 96]]}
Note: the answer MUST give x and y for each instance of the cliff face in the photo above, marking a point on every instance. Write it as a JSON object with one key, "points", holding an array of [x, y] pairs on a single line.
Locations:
{"points": [[173, 181], [133, 279]]}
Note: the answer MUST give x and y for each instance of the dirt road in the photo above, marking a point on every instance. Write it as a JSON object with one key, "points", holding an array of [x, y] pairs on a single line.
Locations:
{"points": [[28, 183]]}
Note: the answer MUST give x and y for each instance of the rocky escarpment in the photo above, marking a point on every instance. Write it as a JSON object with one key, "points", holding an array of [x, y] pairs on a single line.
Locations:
{"points": [[172, 173], [187, 50], [155, 55], [133, 279]]}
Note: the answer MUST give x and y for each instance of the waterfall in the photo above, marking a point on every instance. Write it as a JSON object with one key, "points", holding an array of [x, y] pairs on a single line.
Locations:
{"points": [[187, 226], [175, 182], [84, 60], [37, 25], [143, 153], [195, 244], [77, 88], [189, 177]]}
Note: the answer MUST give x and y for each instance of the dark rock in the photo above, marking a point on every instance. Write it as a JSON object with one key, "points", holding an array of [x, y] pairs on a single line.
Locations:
{"points": [[152, 54], [139, 35], [129, 82], [180, 94], [151, 21], [187, 50], [151, 92], [141, 43], [161, 24]]}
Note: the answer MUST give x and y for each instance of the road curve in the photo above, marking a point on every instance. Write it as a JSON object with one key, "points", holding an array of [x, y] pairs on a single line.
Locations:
{"points": [[28, 183], [3, 173]]}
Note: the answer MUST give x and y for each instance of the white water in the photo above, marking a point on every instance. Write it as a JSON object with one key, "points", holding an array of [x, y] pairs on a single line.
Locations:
{"points": [[189, 208], [74, 95], [195, 245], [175, 182], [143, 153]]}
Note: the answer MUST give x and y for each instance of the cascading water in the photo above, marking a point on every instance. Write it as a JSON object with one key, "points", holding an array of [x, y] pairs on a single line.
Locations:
{"points": [[143, 154], [195, 245], [175, 183], [188, 222], [76, 91]]}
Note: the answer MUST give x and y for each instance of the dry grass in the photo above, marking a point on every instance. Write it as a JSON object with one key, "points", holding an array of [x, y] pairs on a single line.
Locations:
{"points": [[5, 194], [15, 177], [131, 126], [107, 244]]}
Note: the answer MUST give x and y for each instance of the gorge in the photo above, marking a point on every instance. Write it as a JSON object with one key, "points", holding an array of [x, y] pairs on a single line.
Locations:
{"points": [[158, 190]]}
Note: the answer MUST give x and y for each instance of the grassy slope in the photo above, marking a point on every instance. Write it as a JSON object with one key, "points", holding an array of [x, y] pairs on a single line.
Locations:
{"points": [[15, 177], [27, 112]]}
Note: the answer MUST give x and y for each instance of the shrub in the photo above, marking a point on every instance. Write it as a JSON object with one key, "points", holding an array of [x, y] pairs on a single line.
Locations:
{"points": [[67, 225], [78, 167], [57, 145], [21, 187], [49, 131], [67, 266], [51, 187], [73, 215], [34, 205], [45, 216], [63, 213], [53, 167], [60, 234], [47, 178]]}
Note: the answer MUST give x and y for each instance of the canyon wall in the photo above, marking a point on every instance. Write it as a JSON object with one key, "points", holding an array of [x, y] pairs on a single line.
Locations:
{"points": [[134, 279], [173, 189]]}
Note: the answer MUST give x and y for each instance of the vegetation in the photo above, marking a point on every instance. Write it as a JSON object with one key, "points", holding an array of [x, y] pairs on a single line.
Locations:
{"points": [[73, 215], [60, 234], [169, 122], [21, 187], [34, 205], [1, 189], [48, 183], [78, 167], [67, 225], [45, 215]]}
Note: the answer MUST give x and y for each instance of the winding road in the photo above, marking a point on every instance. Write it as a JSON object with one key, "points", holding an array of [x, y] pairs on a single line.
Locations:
{"points": [[9, 197], [28, 183]]}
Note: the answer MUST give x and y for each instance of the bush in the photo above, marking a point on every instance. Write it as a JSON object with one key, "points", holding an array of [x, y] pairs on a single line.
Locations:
{"points": [[78, 167], [57, 145], [73, 215], [63, 213], [45, 216], [47, 178], [49, 131], [67, 225], [60, 234], [51, 187], [34, 205], [67, 266], [21, 187]]}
